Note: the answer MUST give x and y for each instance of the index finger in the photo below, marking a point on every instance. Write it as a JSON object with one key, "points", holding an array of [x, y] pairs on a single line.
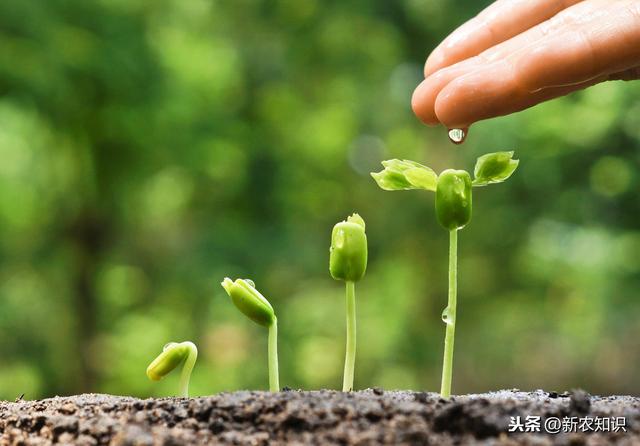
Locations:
{"points": [[499, 22]]}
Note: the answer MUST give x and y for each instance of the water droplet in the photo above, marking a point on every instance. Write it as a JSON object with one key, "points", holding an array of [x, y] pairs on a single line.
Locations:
{"points": [[457, 136], [446, 316], [250, 282]]}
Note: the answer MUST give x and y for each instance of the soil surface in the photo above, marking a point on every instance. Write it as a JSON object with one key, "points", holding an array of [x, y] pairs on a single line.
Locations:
{"points": [[367, 417]]}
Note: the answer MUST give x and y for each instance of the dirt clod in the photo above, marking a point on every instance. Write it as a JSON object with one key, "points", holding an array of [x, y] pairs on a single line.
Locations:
{"points": [[580, 402]]}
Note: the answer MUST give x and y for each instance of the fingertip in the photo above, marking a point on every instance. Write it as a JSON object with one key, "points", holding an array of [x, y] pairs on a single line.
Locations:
{"points": [[486, 93], [454, 106], [424, 96], [422, 102], [435, 61]]}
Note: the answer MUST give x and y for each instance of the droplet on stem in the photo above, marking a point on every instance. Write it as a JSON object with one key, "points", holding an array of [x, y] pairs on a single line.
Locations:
{"points": [[446, 317], [457, 136]]}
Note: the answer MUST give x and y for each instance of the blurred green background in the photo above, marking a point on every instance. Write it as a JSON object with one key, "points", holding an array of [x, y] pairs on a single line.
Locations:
{"points": [[150, 148]]}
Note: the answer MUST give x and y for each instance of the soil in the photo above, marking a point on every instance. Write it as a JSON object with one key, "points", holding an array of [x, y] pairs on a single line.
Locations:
{"points": [[367, 417]]}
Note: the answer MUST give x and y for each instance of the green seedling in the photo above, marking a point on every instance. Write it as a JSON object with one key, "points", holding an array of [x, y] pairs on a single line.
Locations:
{"points": [[252, 304], [174, 354], [348, 262], [453, 204]]}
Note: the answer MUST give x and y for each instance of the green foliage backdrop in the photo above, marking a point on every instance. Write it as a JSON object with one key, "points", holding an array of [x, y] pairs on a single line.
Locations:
{"points": [[149, 148]]}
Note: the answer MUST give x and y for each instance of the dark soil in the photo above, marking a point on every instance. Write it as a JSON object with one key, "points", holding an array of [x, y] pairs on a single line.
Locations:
{"points": [[310, 418]]}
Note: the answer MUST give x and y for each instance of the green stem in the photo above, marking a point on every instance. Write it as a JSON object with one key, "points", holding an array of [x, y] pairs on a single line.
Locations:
{"points": [[187, 368], [274, 377], [450, 313], [350, 358]]}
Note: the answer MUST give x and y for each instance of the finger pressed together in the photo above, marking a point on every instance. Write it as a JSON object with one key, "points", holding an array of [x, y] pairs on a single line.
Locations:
{"points": [[510, 63]]}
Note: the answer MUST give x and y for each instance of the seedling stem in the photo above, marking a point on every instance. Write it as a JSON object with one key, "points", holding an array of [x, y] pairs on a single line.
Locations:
{"points": [[350, 358], [187, 368], [274, 380], [450, 313]]}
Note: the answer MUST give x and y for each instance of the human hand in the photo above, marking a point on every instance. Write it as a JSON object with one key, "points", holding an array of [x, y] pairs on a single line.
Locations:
{"points": [[518, 53]]}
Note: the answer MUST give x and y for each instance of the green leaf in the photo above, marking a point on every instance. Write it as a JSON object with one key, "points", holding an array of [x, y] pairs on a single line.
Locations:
{"points": [[405, 175], [494, 168]]}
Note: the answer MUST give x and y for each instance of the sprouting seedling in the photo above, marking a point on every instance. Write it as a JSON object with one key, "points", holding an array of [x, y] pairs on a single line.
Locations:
{"points": [[252, 304], [348, 262], [173, 354], [453, 210]]}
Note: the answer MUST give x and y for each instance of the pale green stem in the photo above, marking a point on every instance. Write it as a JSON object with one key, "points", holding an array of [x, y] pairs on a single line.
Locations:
{"points": [[185, 375], [447, 365], [274, 379], [350, 357]]}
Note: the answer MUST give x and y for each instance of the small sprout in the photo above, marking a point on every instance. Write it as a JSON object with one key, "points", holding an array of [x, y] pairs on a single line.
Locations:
{"points": [[453, 209], [173, 354], [494, 168], [256, 307], [348, 252], [405, 175], [348, 262]]}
